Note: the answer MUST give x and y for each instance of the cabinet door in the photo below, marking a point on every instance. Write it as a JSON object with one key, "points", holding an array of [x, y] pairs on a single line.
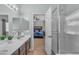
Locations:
{"points": [[28, 45], [26, 48], [48, 37], [16, 52], [22, 49], [22, 52]]}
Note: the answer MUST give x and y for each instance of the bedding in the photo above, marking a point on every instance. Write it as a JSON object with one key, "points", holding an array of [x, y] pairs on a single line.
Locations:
{"points": [[38, 33]]}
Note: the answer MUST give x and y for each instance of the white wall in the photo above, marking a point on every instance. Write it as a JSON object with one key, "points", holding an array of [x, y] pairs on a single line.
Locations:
{"points": [[4, 10], [28, 10], [40, 22]]}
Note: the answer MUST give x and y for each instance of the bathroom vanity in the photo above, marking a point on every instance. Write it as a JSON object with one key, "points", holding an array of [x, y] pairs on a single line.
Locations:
{"points": [[21, 45], [23, 49], [16, 46]]}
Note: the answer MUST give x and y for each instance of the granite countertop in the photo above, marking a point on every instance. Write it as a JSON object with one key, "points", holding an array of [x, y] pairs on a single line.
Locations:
{"points": [[8, 48]]}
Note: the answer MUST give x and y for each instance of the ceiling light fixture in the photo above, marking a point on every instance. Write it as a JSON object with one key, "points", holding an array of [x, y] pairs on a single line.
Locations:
{"points": [[13, 7]]}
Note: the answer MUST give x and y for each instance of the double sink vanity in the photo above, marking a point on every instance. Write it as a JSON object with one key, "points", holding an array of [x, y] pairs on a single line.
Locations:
{"points": [[16, 46], [19, 30]]}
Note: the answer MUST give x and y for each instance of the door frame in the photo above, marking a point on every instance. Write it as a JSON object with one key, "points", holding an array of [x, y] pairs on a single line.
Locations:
{"points": [[32, 45], [58, 10]]}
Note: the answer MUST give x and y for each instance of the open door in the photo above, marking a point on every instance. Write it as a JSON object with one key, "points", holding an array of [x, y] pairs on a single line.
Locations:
{"points": [[55, 42], [48, 34]]}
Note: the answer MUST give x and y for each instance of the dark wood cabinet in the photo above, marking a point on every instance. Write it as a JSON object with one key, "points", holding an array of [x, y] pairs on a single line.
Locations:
{"points": [[24, 49], [16, 52], [28, 43]]}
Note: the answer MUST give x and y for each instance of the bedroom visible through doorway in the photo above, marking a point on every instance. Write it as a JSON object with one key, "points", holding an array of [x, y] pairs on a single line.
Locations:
{"points": [[39, 33]]}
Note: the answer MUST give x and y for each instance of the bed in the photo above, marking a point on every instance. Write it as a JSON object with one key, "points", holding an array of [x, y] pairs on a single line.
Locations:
{"points": [[38, 33]]}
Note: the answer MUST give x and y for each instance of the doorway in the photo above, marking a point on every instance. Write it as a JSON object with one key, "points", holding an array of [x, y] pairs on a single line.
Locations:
{"points": [[39, 34]]}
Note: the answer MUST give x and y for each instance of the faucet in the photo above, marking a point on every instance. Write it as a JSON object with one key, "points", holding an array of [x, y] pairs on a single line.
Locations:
{"points": [[18, 35]]}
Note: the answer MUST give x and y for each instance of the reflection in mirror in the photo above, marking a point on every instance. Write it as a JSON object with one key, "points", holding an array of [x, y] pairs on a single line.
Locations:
{"points": [[20, 26]]}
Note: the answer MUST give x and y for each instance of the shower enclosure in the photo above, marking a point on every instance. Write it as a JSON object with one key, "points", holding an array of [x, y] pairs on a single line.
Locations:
{"points": [[65, 29]]}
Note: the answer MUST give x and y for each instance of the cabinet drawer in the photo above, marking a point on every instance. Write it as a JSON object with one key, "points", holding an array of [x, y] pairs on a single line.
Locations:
{"points": [[28, 45]]}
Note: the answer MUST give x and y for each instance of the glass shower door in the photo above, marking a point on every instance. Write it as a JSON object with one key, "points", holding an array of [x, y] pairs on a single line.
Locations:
{"points": [[69, 42]]}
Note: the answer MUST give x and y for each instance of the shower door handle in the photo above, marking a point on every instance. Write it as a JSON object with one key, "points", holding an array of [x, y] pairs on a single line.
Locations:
{"points": [[50, 36]]}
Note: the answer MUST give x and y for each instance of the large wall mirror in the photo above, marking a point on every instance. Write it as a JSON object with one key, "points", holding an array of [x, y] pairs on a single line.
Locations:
{"points": [[20, 26]]}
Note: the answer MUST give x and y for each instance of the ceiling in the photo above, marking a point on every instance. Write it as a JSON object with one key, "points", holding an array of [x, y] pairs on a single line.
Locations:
{"points": [[33, 8]]}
